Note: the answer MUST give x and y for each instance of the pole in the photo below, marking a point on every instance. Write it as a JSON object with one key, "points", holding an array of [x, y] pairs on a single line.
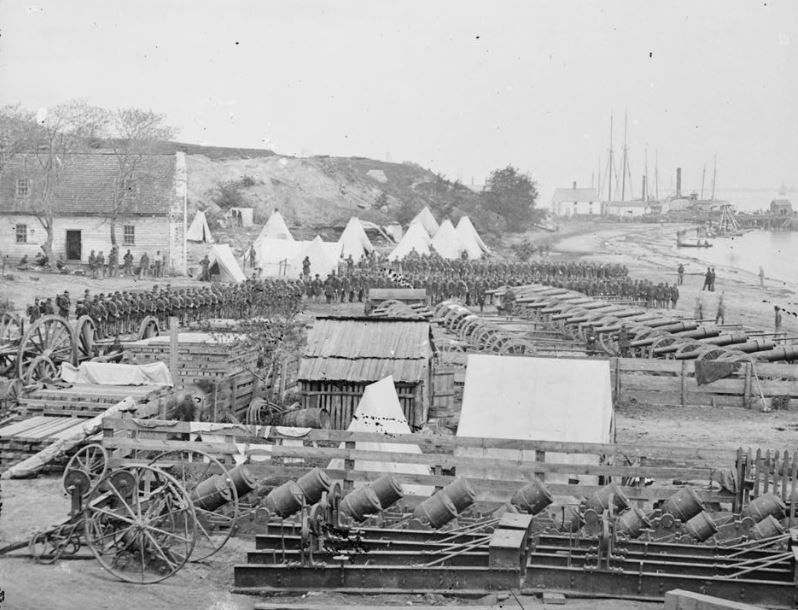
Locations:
{"points": [[623, 163], [173, 349], [703, 175], [609, 170], [714, 175], [656, 174]]}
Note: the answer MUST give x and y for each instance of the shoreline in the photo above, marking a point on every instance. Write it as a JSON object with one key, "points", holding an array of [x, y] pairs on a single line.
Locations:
{"points": [[648, 251]]}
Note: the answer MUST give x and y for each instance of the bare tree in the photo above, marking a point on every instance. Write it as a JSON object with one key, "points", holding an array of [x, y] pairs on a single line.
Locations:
{"points": [[133, 134]]}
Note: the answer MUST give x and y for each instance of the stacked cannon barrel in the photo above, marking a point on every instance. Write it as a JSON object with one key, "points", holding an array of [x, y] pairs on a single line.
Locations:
{"points": [[478, 332]]}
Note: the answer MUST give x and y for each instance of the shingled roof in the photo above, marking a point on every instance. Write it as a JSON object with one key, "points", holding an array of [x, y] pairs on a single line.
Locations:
{"points": [[87, 183]]}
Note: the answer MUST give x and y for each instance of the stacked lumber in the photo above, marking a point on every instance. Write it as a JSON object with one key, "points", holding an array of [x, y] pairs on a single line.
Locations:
{"points": [[22, 439], [225, 360], [86, 399]]}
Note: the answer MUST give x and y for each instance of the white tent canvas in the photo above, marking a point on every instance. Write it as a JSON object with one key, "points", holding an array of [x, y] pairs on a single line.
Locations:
{"points": [[199, 229], [274, 256], [225, 264], [416, 239], [470, 239], [427, 221], [379, 411], [323, 257], [446, 241], [354, 241], [536, 399], [275, 228]]}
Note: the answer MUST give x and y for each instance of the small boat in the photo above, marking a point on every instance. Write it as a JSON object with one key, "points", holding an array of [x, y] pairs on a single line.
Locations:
{"points": [[693, 244]]}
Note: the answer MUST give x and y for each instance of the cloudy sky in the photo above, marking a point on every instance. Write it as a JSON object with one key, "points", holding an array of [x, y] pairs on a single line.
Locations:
{"points": [[460, 87]]}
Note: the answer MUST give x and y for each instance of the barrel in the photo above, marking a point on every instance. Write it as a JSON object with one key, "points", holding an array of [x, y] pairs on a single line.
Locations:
{"points": [[766, 505], [361, 503], [767, 528], [307, 418], [313, 484], [566, 518], [600, 500], [388, 490], [532, 497], [284, 500], [632, 522], [701, 526], [684, 504], [460, 493], [212, 493], [242, 479], [436, 510]]}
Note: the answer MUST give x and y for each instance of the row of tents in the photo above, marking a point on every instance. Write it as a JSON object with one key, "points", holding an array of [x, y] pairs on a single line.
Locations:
{"points": [[277, 253]]}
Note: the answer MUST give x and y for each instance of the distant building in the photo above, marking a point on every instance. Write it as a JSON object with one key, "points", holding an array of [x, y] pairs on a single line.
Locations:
{"points": [[627, 209], [781, 207], [576, 202], [83, 199]]}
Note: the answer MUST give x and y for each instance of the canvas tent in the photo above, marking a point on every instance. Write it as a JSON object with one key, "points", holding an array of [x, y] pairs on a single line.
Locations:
{"points": [[470, 239], [199, 230], [536, 399], [323, 258], [427, 221], [354, 241], [447, 242], [379, 411], [275, 228], [224, 264], [274, 256], [416, 239]]}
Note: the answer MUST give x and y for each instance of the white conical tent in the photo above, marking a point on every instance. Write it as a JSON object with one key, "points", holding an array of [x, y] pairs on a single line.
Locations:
{"points": [[199, 229], [446, 241], [379, 411], [354, 240], [416, 238], [274, 256], [323, 257], [427, 221], [275, 228], [224, 262], [470, 239]]}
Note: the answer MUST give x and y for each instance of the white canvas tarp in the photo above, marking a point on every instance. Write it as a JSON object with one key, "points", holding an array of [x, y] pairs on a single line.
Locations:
{"points": [[354, 241], [379, 411], [549, 399], [427, 221], [225, 264], [275, 228], [199, 230], [108, 373], [416, 239], [470, 239], [446, 241]]}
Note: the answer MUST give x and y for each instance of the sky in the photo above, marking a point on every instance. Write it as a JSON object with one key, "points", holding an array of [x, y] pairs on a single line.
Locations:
{"points": [[460, 87]]}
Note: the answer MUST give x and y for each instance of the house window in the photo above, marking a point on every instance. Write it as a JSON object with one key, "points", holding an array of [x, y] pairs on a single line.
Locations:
{"points": [[22, 234], [23, 187], [129, 235]]}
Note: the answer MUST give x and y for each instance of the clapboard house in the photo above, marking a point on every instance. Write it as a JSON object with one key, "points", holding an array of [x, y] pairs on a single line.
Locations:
{"points": [[153, 218], [344, 355]]}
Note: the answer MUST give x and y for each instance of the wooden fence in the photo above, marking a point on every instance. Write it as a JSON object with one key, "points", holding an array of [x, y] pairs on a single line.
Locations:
{"points": [[132, 441], [673, 383]]}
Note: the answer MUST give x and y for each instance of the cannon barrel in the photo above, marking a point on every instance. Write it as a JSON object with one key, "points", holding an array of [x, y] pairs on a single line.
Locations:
{"points": [[757, 345], [692, 349], [786, 352], [609, 308], [675, 328], [614, 328], [699, 333]]}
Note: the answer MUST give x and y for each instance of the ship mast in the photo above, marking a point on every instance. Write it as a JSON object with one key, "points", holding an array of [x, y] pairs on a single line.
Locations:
{"points": [[656, 174], [703, 175], [609, 167], [714, 175], [623, 163]]}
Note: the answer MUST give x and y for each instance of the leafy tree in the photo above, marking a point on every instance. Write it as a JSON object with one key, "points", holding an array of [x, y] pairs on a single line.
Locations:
{"points": [[381, 201], [228, 195], [513, 195], [406, 212]]}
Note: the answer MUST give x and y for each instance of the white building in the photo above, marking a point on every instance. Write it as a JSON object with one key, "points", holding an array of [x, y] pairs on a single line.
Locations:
{"points": [[627, 209], [576, 202]]}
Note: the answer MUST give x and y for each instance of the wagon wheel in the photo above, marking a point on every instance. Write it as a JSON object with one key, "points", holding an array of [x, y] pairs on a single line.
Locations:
{"points": [[467, 327], [40, 369], [483, 337], [664, 341], [86, 336], [496, 341], [215, 524], [10, 328], [140, 524], [86, 468], [51, 338], [149, 328], [515, 347], [10, 389], [714, 353], [691, 349]]}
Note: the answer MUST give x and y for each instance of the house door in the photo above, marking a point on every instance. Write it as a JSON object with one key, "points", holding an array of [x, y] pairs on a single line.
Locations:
{"points": [[73, 245]]}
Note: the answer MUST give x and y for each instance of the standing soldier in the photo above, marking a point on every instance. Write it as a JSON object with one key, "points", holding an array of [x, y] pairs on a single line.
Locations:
{"points": [[158, 264], [144, 265], [113, 261], [34, 311], [127, 267], [100, 261], [63, 303], [93, 265], [720, 316], [680, 273]]}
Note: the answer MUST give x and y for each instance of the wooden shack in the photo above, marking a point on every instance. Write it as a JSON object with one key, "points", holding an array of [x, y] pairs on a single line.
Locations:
{"points": [[344, 355]]}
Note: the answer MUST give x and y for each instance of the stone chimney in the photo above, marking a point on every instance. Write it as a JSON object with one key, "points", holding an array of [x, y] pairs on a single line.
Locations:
{"points": [[678, 181]]}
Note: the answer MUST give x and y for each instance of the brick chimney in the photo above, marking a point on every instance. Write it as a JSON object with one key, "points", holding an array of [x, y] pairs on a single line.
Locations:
{"points": [[678, 181], [574, 184]]}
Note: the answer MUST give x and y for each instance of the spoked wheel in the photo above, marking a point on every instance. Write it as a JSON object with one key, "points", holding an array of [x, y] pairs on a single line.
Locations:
{"points": [[50, 337], [10, 328], [86, 336], [149, 328], [140, 524], [40, 369], [86, 468], [213, 493], [48, 547]]}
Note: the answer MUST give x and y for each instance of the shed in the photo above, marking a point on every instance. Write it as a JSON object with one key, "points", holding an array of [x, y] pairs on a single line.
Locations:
{"points": [[344, 355], [781, 207]]}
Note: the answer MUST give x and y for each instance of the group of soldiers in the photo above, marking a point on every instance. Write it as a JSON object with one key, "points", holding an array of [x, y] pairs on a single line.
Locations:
{"points": [[99, 268]]}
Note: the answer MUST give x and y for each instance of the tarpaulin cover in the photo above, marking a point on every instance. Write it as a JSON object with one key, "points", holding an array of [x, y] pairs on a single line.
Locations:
{"points": [[707, 371], [106, 373]]}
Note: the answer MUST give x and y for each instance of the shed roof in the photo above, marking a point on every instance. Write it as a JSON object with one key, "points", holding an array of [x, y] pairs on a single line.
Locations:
{"points": [[86, 186]]}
